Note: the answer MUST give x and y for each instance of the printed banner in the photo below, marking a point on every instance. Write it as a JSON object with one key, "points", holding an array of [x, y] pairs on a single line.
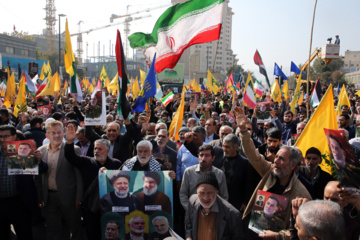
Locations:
{"points": [[44, 110], [20, 157], [95, 115], [138, 204], [268, 212], [346, 165]]}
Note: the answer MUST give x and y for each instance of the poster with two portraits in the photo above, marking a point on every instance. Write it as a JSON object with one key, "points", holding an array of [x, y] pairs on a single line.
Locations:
{"points": [[136, 204]]}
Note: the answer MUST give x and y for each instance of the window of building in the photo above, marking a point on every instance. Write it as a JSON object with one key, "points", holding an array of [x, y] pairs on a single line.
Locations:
{"points": [[10, 50], [24, 52]]}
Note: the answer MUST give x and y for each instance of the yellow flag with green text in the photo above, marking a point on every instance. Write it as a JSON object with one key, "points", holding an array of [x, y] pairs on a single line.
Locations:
{"points": [[142, 78], [49, 89], [114, 85], [343, 100], [285, 89], [135, 88], [20, 104], [104, 78], [10, 89], [177, 120], [314, 136], [301, 98], [212, 84], [69, 55], [275, 92], [296, 94]]}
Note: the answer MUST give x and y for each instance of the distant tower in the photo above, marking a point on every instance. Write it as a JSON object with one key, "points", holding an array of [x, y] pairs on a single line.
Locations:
{"points": [[50, 25]]}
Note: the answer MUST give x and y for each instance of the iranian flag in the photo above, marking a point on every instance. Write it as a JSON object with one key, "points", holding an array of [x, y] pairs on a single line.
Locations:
{"points": [[259, 88], [249, 97], [179, 27], [316, 94], [167, 99], [258, 61], [30, 85]]}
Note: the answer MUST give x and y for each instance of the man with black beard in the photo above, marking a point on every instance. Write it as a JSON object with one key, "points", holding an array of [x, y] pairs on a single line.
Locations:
{"points": [[162, 153], [152, 199], [272, 145], [120, 200]]}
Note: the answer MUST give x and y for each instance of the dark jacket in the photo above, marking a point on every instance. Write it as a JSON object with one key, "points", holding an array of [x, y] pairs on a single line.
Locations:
{"points": [[90, 151], [228, 219], [37, 134], [171, 154]]}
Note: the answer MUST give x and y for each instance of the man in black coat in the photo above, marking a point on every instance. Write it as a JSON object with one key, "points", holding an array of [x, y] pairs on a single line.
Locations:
{"points": [[36, 132], [89, 167]]}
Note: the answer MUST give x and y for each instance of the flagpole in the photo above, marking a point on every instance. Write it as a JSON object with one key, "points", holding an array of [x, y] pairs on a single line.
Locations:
{"points": [[308, 69]]}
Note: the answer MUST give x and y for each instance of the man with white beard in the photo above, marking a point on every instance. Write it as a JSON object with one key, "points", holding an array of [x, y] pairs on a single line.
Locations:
{"points": [[120, 200], [152, 199], [137, 227]]}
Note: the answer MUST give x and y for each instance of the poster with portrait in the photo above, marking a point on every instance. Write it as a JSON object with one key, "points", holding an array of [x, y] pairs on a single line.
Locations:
{"points": [[95, 115], [136, 203], [346, 164], [44, 110], [268, 212], [20, 157], [262, 112]]}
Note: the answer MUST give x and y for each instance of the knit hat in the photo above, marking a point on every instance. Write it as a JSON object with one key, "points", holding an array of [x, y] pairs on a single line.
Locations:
{"points": [[118, 174], [153, 175], [208, 178], [184, 129]]}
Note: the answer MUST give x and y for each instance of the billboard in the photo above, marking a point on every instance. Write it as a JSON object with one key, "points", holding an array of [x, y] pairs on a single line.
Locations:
{"points": [[175, 75]]}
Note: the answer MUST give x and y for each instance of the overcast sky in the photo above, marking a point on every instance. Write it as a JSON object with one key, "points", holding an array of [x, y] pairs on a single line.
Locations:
{"points": [[279, 29]]}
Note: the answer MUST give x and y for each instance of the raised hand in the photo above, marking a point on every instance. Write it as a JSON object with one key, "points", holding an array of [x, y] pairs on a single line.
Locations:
{"points": [[70, 134], [241, 119]]}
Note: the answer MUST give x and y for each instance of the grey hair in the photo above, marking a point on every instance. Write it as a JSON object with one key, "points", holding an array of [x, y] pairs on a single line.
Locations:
{"points": [[233, 139], [294, 153], [322, 219], [144, 143], [133, 219], [112, 123], [226, 126], [164, 130], [199, 130], [161, 123], [160, 218], [103, 141]]}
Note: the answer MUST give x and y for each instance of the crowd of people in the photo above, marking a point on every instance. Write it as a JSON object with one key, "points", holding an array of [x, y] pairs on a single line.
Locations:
{"points": [[224, 155]]}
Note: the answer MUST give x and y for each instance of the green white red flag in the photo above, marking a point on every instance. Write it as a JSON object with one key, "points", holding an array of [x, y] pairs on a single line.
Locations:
{"points": [[167, 99]]}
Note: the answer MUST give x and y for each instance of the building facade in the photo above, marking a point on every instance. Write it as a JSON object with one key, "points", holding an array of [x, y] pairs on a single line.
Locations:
{"points": [[351, 61]]}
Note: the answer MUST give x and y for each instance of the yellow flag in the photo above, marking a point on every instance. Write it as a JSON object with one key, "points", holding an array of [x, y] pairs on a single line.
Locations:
{"points": [[195, 86], [105, 81], [301, 98], [285, 90], [57, 84], [48, 69], [296, 93], [10, 89], [275, 92], [50, 86], [323, 117], [20, 102], [176, 122], [343, 100], [113, 85], [358, 93], [212, 84], [142, 78], [69, 55], [135, 88], [43, 70]]}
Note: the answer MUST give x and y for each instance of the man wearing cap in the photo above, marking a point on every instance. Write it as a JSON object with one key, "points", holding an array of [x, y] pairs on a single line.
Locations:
{"points": [[152, 199], [209, 216], [120, 200], [181, 140], [193, 173]]}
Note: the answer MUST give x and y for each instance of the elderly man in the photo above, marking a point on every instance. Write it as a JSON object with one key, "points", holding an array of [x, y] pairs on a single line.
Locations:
{"points": [[193, 173], [182, 132], [162, 153], [158, 127], [112, 230], [120, 200], [152, 199], [320, 219], [144, 160], [191, 123], [161, 225], [89, 167], [299, 128], [277, 177], [209, 216], [119, 144], [137, 227], [61, 189], [224, 130]]}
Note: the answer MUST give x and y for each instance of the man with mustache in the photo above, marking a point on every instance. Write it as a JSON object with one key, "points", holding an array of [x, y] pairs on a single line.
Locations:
{"points": [[271, 145], [120, 200], [163, 153], [137, 226], [316, 177], [152, 199], [89, 168]]}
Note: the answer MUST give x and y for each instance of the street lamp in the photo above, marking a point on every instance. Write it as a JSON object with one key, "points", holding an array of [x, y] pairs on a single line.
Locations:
{"points": [[60, 15]]}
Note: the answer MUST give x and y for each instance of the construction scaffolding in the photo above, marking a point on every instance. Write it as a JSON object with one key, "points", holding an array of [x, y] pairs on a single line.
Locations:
{"points": [[50, 25]]}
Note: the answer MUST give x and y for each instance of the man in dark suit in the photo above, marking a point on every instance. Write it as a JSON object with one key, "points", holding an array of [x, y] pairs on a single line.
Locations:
{"points": [[60, 190], [35, 132], [166, 156], [120, 143], [210, 128], [86, 146], [17, 193], [210, 216]]}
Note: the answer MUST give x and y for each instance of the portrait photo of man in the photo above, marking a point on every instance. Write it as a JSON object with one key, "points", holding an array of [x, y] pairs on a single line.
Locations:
{"points": [[152, 199], [23, 160], [137, 227], [161, 225], [112, 230], [260, 201], [120, 200]]}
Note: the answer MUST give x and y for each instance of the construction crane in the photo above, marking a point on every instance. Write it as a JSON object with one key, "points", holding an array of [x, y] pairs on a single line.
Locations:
{"points": [[127, 24], [79, 34]]}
